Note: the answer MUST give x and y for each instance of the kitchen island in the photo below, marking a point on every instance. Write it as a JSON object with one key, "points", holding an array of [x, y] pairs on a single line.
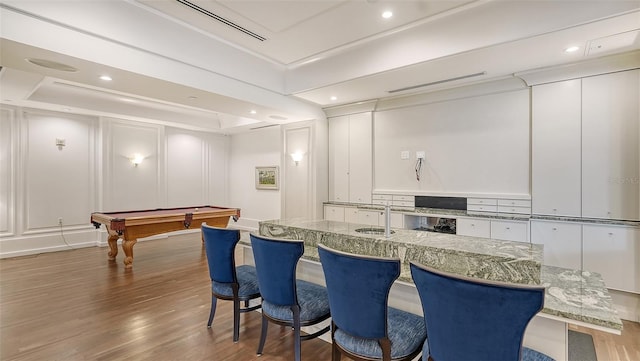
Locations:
{"points": [[572, 296]]}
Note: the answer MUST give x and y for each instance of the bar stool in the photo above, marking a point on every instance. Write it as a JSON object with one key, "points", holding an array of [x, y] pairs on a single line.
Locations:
{"points": [[286, 300], [473, 319], [228, 282], [363, 327]]}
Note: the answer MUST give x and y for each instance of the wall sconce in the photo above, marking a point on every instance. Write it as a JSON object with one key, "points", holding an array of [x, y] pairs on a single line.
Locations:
{"points": [[297, 157], [137, 159]]}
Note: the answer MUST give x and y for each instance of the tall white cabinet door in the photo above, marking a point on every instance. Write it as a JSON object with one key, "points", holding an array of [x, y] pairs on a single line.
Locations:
{"points": [[562, 243], [610, 150], [360, 158], [614, 252], [339, 159], [556, 148]]}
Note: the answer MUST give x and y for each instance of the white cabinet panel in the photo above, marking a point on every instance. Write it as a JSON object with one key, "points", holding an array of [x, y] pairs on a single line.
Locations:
{"points": [[351, 214], [610, 150], [509, 231], [334, 213], [339, 159], [556, 148], [562, 243], [397, 220], [371, 218], [360, 158], [614, 252], [350, 158], [473, 227]]}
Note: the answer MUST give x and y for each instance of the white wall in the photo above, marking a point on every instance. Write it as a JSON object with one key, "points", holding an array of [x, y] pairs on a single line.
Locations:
{"points": [[40, 183], [474, 146], [261, 147]]}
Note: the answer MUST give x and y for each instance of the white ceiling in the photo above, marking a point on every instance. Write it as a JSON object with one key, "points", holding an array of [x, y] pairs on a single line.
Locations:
{"points": [[176, 65]]}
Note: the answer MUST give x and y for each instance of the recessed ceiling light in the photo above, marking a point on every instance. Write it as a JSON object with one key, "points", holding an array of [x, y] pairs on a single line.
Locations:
{"points": [[387, 14], [253, 111], [571, 49], [333, 97], [105, 78], [51, 65]]}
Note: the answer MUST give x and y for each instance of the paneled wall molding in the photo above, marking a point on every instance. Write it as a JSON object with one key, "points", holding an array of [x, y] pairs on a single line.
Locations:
{"points": [[8, 165]]}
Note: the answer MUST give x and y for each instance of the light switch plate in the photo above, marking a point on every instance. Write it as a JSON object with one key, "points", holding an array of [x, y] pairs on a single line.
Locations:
{"points": [[404, 154]]}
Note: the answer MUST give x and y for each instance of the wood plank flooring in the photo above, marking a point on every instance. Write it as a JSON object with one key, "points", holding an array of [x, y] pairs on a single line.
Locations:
{"points": [[76, 305]]}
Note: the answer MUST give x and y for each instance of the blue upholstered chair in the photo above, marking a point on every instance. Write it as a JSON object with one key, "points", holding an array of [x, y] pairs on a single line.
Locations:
{"points": [[473, 319], [364, 327], [286, 300], [228, 282]]}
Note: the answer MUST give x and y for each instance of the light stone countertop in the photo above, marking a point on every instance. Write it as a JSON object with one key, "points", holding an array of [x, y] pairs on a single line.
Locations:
{"points": [[570, 294]]}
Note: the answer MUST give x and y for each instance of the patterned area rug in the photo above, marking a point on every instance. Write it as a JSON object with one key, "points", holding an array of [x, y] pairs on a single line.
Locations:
{"points": [[581, 347]]}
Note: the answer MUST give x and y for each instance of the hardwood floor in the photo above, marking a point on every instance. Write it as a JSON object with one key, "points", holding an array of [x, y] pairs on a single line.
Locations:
{"points": [[76, 305]]}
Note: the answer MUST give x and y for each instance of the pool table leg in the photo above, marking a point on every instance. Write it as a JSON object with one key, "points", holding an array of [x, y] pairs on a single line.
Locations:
{"points": [[113, 246], [127, 247]]}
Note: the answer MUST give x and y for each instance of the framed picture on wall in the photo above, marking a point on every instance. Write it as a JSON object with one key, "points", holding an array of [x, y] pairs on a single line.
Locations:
{"points": [[267, 177]]}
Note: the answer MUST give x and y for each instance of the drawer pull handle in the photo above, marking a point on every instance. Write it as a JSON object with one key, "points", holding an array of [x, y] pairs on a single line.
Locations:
{"points": [[508, 228], [611, 233], [555, 229]]}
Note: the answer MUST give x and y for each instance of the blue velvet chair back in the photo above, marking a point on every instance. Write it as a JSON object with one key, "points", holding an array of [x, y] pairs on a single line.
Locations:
{"points": [[276, 261], [469, 318], [220, 244], [358, 288]]}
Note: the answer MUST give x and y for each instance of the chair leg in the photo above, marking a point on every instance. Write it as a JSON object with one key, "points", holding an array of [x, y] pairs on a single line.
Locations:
{"points": [[263, 334], [214, 301], [336, 355], [296, 332], [236, 320], [246, 303]]}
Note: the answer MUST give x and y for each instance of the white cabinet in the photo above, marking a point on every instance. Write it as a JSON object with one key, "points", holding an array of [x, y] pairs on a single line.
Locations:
{"points": [[334, 213], [473, 227], [614, 252], [370, 217], [510, 230], [562, 243], [610, 150], [351, 214], [505, 230], [376, 218], [585, 147], [339, 159], [556, 148], [350, 158]]}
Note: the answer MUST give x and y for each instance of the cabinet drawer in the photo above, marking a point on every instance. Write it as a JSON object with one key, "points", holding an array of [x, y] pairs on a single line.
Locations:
{"points": [[482, 208], [404, 203], [473, 227], [382, 202], [514, 209], [485, 201], [386, 197], [514, 202], [403, 198], [334, 213], [509, 231]]}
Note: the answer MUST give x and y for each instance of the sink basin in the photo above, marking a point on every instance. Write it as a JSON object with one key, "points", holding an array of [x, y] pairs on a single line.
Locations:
{"points": [[372, 230]]}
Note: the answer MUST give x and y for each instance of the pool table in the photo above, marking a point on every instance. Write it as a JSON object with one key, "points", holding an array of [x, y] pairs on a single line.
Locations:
{"points": [[131, 225]]}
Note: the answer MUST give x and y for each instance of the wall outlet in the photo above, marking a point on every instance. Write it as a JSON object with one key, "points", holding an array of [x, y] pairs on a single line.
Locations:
{"points": [[420, 154], [404, 154]]}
